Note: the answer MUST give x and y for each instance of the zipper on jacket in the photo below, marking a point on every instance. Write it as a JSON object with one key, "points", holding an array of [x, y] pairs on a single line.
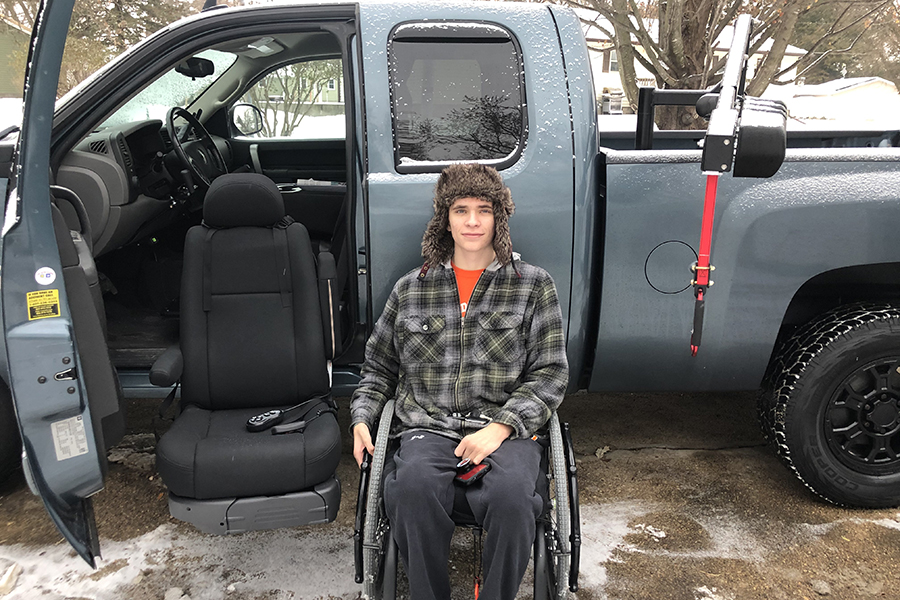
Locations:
{"points": [[462, 336]]}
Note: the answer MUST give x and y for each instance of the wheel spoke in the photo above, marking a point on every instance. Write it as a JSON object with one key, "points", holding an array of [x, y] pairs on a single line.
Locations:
{"points": [[850, 431], [879, 447], [889, 446], [879, 376], [852, 399]]}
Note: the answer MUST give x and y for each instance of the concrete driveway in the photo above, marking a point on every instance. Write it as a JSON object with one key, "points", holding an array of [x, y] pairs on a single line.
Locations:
{"points": [[680, 500]]}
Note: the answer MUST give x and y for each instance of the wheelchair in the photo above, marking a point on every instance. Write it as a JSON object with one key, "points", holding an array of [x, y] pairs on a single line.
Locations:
{"points": [[557, 541]]}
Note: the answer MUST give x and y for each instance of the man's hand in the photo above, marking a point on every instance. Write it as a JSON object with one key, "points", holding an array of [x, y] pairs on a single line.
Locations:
{"points": [[362, 440], [479, 445]]}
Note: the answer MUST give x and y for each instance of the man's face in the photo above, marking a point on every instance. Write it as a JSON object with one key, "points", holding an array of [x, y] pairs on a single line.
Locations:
{"points": [[472, 226]]}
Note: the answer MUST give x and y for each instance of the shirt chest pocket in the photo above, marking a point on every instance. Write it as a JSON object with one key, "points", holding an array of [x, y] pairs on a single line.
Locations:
{"points": [[423, 339], [499, 338]]}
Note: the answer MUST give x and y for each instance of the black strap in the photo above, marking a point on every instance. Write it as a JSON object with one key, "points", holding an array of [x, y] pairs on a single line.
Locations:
{"points": [[283, 264], [285, 222], [162, 421], [207, 269], [300, 426], [296, 412]]}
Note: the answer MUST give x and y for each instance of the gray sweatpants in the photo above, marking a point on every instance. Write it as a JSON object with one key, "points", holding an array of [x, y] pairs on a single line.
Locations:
{"points": [[418, 498]]}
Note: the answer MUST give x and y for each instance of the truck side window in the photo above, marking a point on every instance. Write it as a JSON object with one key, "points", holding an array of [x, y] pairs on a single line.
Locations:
{"points": [[457, 94], [303, 100]]}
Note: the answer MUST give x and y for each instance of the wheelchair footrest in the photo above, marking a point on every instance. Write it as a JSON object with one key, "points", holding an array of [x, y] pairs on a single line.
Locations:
{"points": [[237, 515]]}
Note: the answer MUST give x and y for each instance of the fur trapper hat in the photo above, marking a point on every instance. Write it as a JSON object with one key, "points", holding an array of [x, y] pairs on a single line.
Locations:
{"points": [[467, 181]]}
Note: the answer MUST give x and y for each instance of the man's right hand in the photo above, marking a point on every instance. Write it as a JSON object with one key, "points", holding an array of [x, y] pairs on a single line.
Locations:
{"points": [[362, 440]]}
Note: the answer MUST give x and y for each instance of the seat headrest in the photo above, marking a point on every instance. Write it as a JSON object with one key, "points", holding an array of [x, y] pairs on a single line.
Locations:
{"points": [[242, 200]]}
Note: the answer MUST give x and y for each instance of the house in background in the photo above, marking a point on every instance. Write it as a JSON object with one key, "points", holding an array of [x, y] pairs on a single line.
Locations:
{"points": [[605, 67], [12, 40], [855, 101]]}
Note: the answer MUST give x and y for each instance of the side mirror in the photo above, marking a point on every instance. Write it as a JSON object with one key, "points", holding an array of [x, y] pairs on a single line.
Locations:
{"points": [[761, 139], [195, 67], [246, 119]]}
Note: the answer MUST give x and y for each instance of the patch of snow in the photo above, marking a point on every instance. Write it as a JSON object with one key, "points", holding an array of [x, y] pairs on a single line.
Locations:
{"points": [[305, 562], [10, 112], [708, 593], [603, 530], [657, 534]]}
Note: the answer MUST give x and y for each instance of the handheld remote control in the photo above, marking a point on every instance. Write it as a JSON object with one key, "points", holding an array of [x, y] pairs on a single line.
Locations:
{"points": [[265, 420]]}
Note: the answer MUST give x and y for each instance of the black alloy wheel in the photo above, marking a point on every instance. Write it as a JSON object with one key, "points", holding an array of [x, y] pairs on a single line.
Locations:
{"points": [[831, 405], [862, 418]]}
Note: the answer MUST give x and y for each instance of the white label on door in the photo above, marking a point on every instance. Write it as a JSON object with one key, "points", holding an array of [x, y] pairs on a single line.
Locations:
{"points": [[69, 438], [45, 276]]}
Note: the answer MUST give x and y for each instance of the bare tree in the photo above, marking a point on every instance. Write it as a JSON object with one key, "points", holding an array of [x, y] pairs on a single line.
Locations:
{"points": [[288, 94], [858, 46], [676, 37]]}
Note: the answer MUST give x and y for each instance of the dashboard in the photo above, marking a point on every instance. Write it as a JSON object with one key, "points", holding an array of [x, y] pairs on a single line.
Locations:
{"points": [[126, 176]]}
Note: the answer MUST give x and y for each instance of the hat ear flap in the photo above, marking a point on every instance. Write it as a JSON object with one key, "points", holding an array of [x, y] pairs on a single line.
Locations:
{"points": [[437, 242], [502, 240]]}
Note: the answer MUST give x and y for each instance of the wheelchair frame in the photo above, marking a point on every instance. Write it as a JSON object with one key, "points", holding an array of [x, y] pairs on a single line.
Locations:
{"points": [[557, 540]]}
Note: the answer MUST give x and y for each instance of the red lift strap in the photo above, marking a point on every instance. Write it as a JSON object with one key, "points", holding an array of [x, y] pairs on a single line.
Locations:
{"points": [[701, 268]]}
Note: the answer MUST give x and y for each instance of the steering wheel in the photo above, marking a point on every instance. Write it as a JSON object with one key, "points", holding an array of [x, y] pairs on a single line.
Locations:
{"points": [[199, 155]]}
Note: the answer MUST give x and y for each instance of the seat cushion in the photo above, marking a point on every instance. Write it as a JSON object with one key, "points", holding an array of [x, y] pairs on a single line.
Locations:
{"points": [[210, 454]]}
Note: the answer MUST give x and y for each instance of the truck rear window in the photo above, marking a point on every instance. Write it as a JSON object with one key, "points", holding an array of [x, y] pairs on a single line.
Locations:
{"points": [[457, 95]]}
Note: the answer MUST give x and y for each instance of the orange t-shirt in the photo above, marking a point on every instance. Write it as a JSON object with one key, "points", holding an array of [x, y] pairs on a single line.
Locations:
{"points": [[465, 281]]}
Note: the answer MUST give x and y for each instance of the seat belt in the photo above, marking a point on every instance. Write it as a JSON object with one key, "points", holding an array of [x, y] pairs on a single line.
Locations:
{"points": [[207, 268], [283, 259]]}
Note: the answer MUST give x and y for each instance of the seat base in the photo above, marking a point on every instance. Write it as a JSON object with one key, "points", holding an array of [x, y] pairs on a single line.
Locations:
{"points": [[238, 515]]}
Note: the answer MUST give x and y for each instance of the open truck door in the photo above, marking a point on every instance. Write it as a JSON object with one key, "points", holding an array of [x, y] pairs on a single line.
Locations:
{"points": [[53, 335]]}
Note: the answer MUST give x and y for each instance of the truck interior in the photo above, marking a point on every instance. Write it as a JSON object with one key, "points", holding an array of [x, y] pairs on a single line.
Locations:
{"points": [[272, 104]]}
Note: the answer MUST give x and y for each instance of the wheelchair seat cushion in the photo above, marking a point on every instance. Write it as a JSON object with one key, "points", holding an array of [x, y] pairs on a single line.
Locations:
{"points": [[210, 454]]}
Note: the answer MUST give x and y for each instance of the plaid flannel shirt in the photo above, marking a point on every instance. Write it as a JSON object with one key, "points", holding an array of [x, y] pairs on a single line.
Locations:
{"points": [[504, 362]]}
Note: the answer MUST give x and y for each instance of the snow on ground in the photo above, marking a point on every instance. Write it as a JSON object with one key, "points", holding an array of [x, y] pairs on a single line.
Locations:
{"points": [[330, 127], [317, 561], [308, 562], [10, 112]]}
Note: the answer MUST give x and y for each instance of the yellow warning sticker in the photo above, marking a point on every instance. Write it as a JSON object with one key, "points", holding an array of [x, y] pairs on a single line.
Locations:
{"points": [[43, 304]]}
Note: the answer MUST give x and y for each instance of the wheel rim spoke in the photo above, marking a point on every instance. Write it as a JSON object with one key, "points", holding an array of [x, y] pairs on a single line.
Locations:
{"points": [[850, 431], [878, 448], [853, 400]]}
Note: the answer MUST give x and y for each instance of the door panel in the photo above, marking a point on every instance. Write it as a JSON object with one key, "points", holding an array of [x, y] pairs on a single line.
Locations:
{"points": [[320, 166], [401, 186], [286, 161], [63, 463]]}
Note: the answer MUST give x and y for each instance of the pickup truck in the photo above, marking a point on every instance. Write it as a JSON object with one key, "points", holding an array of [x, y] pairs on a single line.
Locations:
{"points": [[806, 306]]}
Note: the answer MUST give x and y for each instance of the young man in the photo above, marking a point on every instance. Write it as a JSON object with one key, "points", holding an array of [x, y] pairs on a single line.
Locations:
{"points": [[471, 347]]}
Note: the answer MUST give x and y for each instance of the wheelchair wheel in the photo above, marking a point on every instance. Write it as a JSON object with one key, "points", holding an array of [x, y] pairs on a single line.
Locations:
{"points": [[376, 530], [560, 528]]}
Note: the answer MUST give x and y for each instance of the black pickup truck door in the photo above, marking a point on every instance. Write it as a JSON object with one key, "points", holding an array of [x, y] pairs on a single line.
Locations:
{"points": [[44, 367]]}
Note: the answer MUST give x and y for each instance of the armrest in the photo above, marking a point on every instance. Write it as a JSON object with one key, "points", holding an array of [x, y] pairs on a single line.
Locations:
{"points": [[167, 368], [329, 302]]}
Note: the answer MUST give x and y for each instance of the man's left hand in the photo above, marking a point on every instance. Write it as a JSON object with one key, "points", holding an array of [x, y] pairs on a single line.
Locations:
{"points": [[479, 445]]}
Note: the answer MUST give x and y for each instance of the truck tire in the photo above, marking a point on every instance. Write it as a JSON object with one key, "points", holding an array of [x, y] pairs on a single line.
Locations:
{"points": [[10, 446], [831, 404]]}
